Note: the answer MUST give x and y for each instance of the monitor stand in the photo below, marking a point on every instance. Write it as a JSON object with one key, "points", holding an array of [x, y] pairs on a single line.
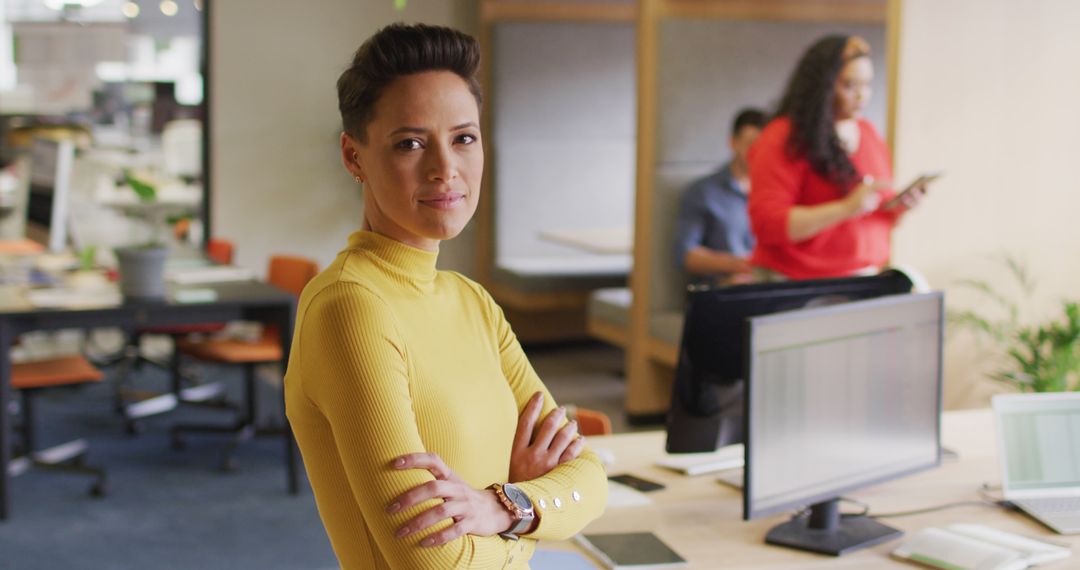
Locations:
{"points": [[824, 530]]}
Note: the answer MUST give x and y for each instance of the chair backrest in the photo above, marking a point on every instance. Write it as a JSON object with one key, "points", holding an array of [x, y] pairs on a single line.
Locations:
{"points": [[592, 422], [291, 273], [668, 281], [220, 251]]}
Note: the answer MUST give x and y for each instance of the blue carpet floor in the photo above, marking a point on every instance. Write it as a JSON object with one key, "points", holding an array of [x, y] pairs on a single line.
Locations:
{"points": [[169, 509], [166, 509]]}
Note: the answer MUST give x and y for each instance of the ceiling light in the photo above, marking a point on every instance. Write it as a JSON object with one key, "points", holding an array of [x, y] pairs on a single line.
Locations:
{"points": [[169, 8], [130, 9], [61, 4]]}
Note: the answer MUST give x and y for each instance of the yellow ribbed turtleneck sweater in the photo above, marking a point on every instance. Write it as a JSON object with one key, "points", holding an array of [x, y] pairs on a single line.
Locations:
{"points": [[390, 357]]}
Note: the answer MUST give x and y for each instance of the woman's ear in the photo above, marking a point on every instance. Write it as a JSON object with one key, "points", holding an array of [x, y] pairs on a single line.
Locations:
{"points": [[350, 157]]}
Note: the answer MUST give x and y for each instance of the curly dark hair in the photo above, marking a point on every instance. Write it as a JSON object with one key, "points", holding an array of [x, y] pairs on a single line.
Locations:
{"points": [[395, 51], [808, 103]]}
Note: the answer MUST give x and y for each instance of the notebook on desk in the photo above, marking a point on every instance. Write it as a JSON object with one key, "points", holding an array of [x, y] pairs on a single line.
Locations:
{"points": [[1039, 447]]}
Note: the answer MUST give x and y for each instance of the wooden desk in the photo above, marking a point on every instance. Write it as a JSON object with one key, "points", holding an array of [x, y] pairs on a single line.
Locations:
{"points": [[702, 519], [611, 241], [247, 300]]}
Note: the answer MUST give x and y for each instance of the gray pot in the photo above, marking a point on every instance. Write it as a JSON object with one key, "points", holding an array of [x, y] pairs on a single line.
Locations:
{"points": [[142, 271]]}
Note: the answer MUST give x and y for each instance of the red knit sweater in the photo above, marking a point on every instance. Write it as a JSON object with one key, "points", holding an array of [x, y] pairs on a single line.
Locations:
{"points": [[779, 181]]}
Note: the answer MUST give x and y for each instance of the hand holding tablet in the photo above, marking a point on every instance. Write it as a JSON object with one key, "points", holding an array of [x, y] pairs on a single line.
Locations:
{"points": [[910, 189]]}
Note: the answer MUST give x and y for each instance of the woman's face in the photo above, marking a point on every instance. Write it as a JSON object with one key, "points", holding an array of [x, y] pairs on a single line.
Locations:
{"points": [[851, 92], [423, 159]]}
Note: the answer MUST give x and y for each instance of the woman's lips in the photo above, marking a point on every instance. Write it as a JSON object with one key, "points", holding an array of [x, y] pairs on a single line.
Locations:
{"points": [[443, 201]]}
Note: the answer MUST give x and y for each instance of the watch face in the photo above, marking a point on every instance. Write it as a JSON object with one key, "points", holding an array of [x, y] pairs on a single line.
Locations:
{"points": [[517, 496]]}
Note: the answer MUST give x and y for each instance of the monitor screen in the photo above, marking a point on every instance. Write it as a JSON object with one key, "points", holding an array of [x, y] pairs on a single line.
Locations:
{"points": [[839, 398], [707, 397], [50, 178]]}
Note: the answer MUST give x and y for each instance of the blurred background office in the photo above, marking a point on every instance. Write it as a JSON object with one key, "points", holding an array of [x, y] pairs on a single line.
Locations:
{"points": [[229, 106], [125, 86]]}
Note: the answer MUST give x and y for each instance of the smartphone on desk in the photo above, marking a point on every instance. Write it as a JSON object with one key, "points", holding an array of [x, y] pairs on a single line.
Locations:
{"points": [[643, 485], [924, 178]]}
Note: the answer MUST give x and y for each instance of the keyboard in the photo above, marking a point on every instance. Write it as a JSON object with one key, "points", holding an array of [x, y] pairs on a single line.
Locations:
{"points": [[1051, 505], [1060, 513]]}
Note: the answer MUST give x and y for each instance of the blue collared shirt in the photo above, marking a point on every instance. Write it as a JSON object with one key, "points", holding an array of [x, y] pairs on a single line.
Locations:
{"points": [[713, 214]]}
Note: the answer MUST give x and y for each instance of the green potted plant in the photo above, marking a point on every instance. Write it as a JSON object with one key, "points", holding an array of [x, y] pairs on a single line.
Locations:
{"points": [[1039, 357], [142, 264]]}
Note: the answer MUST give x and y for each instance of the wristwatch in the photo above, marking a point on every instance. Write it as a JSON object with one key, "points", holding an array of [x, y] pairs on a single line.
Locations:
{"points": [[520, 506]]}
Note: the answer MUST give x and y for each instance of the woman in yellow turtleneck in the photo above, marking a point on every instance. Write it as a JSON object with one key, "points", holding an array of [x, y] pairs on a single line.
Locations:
{"points": [[415, 409]]}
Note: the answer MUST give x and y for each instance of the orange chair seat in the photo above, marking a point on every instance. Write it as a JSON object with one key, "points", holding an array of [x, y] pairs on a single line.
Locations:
{"points": [[592, 422], [265, 349], [65, 371]]}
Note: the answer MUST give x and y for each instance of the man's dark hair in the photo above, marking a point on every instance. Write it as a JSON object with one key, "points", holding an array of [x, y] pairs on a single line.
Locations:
{"points": [[396, 51], [808, 104], [748, 117]]}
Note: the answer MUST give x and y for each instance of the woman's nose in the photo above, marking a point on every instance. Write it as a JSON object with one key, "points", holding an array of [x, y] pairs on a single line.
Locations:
{"points": [[441, 165]]}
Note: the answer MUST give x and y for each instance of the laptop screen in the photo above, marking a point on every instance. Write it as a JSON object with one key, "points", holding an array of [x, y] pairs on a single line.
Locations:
{"points": [[1040, 441]]}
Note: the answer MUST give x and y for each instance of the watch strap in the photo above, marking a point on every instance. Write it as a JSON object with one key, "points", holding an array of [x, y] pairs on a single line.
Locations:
{"points": [[522, 518]]}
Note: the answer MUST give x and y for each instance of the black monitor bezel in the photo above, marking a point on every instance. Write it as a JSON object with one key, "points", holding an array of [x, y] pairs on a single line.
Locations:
{"points": [[688, 421]]}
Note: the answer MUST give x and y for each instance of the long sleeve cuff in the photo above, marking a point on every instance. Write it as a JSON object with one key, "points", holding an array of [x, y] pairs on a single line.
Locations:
{"points": [[569, 497]]}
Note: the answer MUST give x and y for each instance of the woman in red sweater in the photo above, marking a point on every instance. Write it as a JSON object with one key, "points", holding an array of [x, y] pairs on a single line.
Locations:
{"points": [[820, 172]]}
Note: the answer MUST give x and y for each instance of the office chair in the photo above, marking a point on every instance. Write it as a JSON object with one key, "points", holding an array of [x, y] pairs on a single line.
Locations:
{"points": [[31, 378], [590, 422], [288, 273], [220, 251]]}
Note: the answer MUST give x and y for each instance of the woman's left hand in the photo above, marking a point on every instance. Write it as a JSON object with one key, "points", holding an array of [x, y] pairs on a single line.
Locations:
{"points": [[913, 198], [534, 456], [476, 512]]}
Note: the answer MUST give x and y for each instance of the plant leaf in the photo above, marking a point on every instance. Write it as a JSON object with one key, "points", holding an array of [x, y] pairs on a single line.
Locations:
{"points": [[145, 191]]}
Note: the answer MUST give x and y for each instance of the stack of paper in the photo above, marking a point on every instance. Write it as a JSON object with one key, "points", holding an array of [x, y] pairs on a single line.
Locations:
{"points": [[213, 274], [620, 495]]}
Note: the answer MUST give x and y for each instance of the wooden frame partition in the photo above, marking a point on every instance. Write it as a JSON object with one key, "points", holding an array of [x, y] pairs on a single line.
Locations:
{"points": [[544, 315], [649, 361]]}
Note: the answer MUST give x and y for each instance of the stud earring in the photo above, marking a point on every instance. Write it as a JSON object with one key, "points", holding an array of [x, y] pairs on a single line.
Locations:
{"points": [[358, 180]]}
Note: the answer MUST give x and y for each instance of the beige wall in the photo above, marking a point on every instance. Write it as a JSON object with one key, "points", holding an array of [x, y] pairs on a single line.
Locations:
{"points": [[989, 92], [278, 184]]}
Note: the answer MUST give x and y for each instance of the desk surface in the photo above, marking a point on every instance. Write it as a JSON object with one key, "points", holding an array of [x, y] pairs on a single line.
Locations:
{"points": [[702, 519], [19, 300], [577, 266], [617, 241]]}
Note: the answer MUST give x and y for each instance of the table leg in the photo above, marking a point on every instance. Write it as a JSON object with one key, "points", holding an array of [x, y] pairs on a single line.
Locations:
{"points": [[285, 328], [6, 340]]}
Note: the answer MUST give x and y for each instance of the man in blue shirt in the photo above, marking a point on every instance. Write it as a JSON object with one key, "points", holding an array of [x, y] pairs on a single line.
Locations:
{"points": [[712, 233]]}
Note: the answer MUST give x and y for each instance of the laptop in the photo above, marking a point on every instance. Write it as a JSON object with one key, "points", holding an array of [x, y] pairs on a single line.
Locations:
{"points": [[1039, 448]]}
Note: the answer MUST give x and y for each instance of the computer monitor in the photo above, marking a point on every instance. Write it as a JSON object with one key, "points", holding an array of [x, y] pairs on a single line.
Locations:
{"points": [[50, 181], [839, 398], [707, 398]]}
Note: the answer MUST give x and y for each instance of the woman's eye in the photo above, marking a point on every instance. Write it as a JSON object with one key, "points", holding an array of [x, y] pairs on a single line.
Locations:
{"points": [[409, 144], [466, 139]]}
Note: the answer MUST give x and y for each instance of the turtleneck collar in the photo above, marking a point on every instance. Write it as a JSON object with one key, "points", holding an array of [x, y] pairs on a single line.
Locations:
{"points": [[402, 260]]}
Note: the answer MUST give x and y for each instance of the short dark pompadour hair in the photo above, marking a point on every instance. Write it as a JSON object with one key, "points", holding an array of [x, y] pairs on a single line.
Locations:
{"points": [[396, 51], [748, 117]]}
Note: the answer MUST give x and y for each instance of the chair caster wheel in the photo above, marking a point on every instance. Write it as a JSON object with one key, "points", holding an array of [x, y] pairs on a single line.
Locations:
{"points": [[177, 443], [99, 490], [132, 427]]}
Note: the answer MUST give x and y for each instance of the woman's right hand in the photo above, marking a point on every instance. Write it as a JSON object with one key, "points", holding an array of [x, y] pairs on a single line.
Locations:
{"points": [[865, 197], [533, 457]]}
